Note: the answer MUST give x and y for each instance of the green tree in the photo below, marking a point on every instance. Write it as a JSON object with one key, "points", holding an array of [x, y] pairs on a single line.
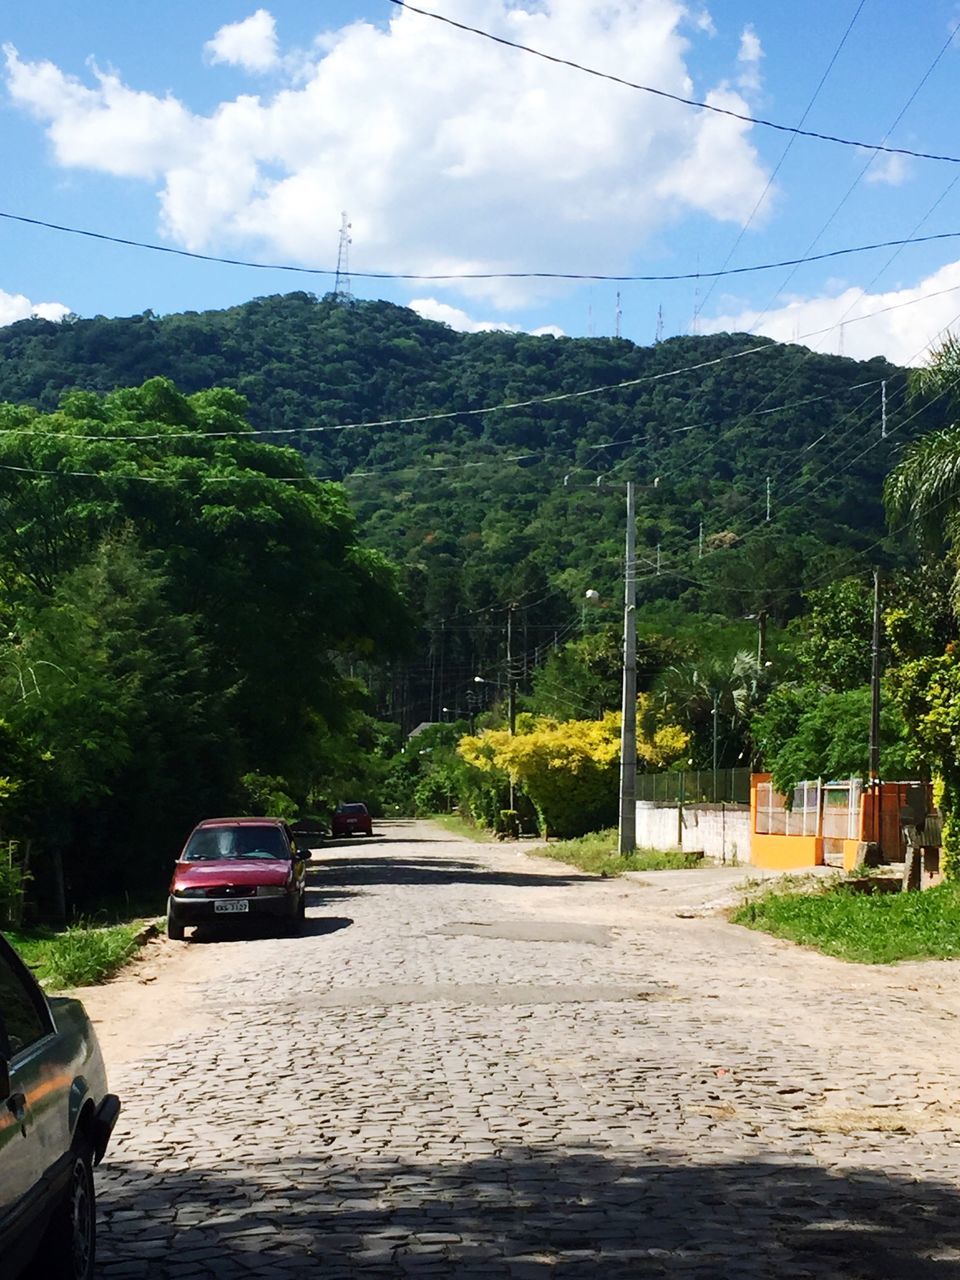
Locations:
{"points": [[569, 769], [182, 602], [806, 734], [923, 492], [836, 636], [714, 697]]}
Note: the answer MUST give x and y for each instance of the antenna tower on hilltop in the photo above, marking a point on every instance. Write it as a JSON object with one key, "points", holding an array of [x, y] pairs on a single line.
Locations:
{"points": [[619, 323], [341, 286], [659, 337]]}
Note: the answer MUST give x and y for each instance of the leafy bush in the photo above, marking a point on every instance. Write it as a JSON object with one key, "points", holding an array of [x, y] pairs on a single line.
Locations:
{"points": [[569, 769], [82, 955], [262, 797]]}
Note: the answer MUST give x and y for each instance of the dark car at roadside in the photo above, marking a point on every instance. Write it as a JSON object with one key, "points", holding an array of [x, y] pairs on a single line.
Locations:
{"points": [[238, 869], [351, 820], [56, 1118]]}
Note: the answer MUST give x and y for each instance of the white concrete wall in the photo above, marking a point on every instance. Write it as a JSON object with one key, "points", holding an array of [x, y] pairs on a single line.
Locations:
{"points": [[719, 831]]}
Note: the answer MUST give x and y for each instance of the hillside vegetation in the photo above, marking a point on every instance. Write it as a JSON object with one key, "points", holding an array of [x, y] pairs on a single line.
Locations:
{"points": [[485, 509]]}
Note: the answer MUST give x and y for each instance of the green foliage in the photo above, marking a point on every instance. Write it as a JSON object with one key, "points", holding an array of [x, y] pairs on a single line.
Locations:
{"points": [[13, 883], [567, 769], [80, 956], [597, 854], [806, 734], [508, 823], [484, 532], [835, 647], [169, 634], [711, 695], [261, 796], [458, 825], [864, 928]]}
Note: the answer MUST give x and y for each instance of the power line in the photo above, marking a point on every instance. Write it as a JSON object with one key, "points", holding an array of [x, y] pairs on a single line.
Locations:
{"points": [[857, 456], [766, 345], [786, 151], [675, 97], [860, 176], [598, 277], [444, 415]]}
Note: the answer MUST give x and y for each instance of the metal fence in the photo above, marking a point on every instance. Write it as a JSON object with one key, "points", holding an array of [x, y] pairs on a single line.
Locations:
{"points": [[695, 786], [828, 809]]}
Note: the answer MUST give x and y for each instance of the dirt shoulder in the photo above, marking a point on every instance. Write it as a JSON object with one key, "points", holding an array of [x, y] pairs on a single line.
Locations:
{"points": [[152, 1000]]}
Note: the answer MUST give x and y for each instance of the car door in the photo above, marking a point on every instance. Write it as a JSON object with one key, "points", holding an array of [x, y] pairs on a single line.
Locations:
{"points": [[27, 1137]]}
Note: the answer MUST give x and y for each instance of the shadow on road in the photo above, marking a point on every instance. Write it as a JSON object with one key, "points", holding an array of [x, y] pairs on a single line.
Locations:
{"points": [[344, 842], [239, 930], [530, 1212], [367, 870]]}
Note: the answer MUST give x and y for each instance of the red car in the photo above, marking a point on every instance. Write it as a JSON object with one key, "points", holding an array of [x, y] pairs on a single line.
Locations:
{"points": [[238, 867], [352, 820]]}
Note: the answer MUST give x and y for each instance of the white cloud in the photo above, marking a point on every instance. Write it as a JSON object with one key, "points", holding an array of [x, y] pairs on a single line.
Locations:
{"points": [[109, 128], [893, 170], [14, 306], [447, 151], [749, 58], [433, 309], [719, 168], [251, 44], [900, 324]]}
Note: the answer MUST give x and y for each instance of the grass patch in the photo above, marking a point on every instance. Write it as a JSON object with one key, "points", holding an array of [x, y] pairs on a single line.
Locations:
{"points": [[597, 853], [460, 826], [864, 928], [79, 956]]}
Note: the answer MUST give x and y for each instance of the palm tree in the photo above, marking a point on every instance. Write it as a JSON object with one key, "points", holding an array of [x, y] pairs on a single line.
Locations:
{"points": [[924, 487], [690, 694]]}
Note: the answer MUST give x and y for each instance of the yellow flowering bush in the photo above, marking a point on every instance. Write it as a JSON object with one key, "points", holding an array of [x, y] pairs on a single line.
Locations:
{"points": [[568, 768]]}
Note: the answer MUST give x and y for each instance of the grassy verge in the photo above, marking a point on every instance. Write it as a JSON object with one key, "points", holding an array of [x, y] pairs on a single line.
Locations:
{"points": [[459, 826], [79, 956], [597, 853], [865, 928]]}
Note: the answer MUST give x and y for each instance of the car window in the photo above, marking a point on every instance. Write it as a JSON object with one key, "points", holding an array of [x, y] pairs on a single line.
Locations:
{"points": [[23, 1017], [353, 809], [210, 844]]}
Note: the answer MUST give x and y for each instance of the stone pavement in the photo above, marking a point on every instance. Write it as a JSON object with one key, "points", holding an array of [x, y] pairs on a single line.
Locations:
{"points": [[476, 1063]]}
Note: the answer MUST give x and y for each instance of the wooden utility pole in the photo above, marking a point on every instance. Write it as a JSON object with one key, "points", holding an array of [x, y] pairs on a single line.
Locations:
{"points": [[511, 693], [628, 732], [874, 751]]}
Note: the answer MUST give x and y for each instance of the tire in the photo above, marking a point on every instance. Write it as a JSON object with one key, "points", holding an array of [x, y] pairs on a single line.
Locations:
{"points": [[302, 909], [175, 927], [294, 922], [69, 1245]]}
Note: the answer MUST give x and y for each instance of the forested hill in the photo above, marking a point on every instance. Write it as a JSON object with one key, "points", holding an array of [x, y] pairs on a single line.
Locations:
{"points": [[708, 420]]}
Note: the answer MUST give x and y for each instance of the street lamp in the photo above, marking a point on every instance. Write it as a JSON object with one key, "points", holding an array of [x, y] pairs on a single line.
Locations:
{"points": [[592, 598]]}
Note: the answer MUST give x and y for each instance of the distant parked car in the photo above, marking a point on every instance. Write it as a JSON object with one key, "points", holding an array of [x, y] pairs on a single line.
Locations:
{"points": [[56, 1118], [238, 867], [352, 820]]}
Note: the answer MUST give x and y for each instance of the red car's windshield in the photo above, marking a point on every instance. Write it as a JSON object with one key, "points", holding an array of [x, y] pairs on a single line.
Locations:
{"points": [[211, 844]]}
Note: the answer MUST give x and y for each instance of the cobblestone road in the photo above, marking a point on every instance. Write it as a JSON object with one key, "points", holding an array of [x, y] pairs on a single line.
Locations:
{"points": [[476, 1063]]}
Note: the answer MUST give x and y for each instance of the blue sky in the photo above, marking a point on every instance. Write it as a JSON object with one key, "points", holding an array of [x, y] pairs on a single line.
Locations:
{"points": [[231, 129]]}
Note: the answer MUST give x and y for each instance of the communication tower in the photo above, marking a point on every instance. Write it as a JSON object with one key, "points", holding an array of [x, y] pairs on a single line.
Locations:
{"points": [[341, 287]]}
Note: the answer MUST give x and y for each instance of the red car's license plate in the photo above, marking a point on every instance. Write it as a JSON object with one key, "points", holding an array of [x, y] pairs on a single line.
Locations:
{"points": [[241, 904]]}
